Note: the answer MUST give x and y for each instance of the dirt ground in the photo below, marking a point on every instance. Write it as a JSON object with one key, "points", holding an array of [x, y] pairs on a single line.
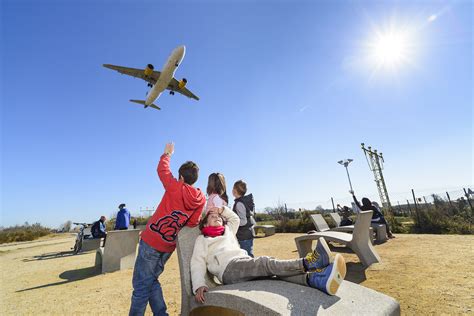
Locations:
{"points": [[427, 274]]}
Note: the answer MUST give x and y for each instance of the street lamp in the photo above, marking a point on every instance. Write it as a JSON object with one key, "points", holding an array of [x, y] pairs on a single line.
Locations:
{"points": [[346, 163]]}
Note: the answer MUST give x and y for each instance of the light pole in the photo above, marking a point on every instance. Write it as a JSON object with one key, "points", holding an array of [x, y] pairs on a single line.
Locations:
{"points": [[346, 163]]}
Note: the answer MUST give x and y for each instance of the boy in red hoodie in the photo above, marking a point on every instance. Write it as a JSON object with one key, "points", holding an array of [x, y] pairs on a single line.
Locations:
{"points": [[181, 205]]}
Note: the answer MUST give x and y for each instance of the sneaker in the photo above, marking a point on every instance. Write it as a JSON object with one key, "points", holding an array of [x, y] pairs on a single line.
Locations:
{"points": [[320, 257], [329, 279]]}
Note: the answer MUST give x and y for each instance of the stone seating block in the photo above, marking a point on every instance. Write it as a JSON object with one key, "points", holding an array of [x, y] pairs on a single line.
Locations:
{"points": [[119, 252]]}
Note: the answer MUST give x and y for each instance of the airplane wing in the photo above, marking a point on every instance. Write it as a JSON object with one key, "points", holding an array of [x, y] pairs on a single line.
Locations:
{"points": [[174, 86], [134, 72]]}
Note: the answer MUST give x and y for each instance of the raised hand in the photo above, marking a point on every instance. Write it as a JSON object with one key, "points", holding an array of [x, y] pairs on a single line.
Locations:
{"points": [[169, 148]]}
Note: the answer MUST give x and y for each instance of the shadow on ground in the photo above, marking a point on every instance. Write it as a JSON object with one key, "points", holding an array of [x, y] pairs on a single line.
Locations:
{"points": [[52, 255], [70, 276]]}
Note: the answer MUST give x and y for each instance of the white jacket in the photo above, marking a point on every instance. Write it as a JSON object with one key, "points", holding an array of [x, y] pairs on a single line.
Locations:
{"points": [[215, 253]]}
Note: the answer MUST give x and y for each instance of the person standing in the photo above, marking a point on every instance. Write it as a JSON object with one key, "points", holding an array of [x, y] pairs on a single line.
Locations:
{"points": [[244, 207], [181, 206], [123, 218]]}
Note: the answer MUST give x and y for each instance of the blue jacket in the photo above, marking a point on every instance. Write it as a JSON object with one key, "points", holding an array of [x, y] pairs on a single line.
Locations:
{"points": [[123, 219]]}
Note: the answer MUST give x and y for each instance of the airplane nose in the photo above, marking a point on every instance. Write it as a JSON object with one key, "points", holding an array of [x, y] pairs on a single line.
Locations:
{"points": [[182, 49]]}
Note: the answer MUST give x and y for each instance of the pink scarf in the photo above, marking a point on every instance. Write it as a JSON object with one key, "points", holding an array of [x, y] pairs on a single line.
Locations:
{"points": [[213, 231]]}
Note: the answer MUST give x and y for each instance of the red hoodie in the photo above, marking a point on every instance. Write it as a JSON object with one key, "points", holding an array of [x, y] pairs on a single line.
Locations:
{"points": [[180, 206]]}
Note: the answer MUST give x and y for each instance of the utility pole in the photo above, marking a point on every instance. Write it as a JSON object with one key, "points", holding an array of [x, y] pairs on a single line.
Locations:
{"points": [[375, 161]]}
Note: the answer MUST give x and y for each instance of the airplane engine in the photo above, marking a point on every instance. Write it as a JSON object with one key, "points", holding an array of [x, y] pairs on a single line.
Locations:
{"points": [[182, 83], [149, 70]]}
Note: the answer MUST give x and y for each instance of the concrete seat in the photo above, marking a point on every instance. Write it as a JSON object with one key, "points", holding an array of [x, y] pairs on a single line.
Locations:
{"points": [[119, 252], [274, 297], [268, 230], [91, 244], [380, 232], [321, 226], [358, 241], [336, 218]]}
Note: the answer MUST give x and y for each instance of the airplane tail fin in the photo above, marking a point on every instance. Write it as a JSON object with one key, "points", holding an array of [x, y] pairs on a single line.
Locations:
{"points": [[142, 102]]}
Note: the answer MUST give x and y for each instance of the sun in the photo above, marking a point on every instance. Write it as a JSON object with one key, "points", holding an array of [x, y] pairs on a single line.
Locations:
{"points": [[390, 48]]}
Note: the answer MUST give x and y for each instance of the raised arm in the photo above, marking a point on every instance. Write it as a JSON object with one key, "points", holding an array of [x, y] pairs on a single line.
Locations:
{"points": [[232, 219], [163, 169], [355, 200]]}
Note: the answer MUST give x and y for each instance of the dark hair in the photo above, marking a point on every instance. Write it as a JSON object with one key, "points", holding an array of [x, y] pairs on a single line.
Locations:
{"points": [[122, 205], [216, 184], [241, 187], [189, 171], [204, 221], [366, 202]]}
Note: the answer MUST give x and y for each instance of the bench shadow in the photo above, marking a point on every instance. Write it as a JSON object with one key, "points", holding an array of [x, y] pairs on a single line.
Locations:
{"points": [[53, 255], [70, 276], [355, 272]]}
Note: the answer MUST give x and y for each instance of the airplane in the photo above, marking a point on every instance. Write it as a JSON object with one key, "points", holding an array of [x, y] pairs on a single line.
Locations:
{"points": [[159, 81]]}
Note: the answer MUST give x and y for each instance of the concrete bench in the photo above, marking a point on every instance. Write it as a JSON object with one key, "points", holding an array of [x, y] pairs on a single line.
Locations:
{"points": [[322, 226], [359, 241], [119, 252], [380, 232], [274, 297], [91, 244], [268, 230]]}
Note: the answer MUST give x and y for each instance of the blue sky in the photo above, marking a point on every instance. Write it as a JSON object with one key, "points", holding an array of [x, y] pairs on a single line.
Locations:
{"points": [[287, 89]]}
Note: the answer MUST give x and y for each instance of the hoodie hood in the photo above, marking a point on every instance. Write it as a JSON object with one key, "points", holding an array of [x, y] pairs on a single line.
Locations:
{"points": [[193, 198]]}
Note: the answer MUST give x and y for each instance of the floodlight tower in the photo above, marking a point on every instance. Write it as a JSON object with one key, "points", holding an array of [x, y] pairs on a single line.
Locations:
{"points": [[346, 163], [376, 165]]}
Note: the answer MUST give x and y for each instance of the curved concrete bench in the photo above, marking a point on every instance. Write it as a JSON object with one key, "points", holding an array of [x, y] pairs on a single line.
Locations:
{"points": [[119, 252], [358, 241], [322, 226], [275, 297]]}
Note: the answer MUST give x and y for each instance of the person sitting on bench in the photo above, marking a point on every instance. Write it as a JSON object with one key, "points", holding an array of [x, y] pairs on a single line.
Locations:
{"points": [[217, 251], [98, 229]]}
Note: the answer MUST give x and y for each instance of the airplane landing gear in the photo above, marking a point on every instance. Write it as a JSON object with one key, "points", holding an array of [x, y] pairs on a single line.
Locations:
{"points": [[150, 85], [172, 92]]}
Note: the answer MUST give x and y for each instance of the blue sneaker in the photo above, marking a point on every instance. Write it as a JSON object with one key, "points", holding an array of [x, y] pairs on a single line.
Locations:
{"points": [[321, 256], [329, 279]]}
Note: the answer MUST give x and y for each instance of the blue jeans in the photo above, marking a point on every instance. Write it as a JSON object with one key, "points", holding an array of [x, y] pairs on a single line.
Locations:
{"points": [[247, 245], [149, 265]]}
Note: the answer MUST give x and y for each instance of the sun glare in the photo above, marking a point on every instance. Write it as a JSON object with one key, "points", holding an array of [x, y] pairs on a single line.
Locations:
{"points": [[389, 50]]}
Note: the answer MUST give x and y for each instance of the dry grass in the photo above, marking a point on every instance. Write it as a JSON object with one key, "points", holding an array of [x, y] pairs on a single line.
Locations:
{"points": [[427, 274]]}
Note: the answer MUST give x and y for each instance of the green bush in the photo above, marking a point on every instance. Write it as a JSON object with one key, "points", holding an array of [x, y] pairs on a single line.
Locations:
{"points": [[25, 232], [443, 218]]}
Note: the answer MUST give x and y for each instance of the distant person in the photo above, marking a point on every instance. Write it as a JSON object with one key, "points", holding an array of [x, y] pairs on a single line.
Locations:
{"points": [[244, 207], [377, 216], [123, 218], [216, 192], [345, 213], [216, 251], [134, 223], [98, 229], [181, 205]]}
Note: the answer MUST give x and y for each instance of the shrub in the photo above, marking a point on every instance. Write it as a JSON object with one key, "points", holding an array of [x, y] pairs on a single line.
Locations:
{"points": [[443, 218], [25, 232]]}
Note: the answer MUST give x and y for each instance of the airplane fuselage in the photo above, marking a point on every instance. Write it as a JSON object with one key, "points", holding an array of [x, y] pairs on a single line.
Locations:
{"points": [[167, 74]]}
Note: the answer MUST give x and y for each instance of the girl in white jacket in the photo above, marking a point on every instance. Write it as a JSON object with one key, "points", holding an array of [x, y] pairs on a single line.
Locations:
{"points": [[218, 252]]}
